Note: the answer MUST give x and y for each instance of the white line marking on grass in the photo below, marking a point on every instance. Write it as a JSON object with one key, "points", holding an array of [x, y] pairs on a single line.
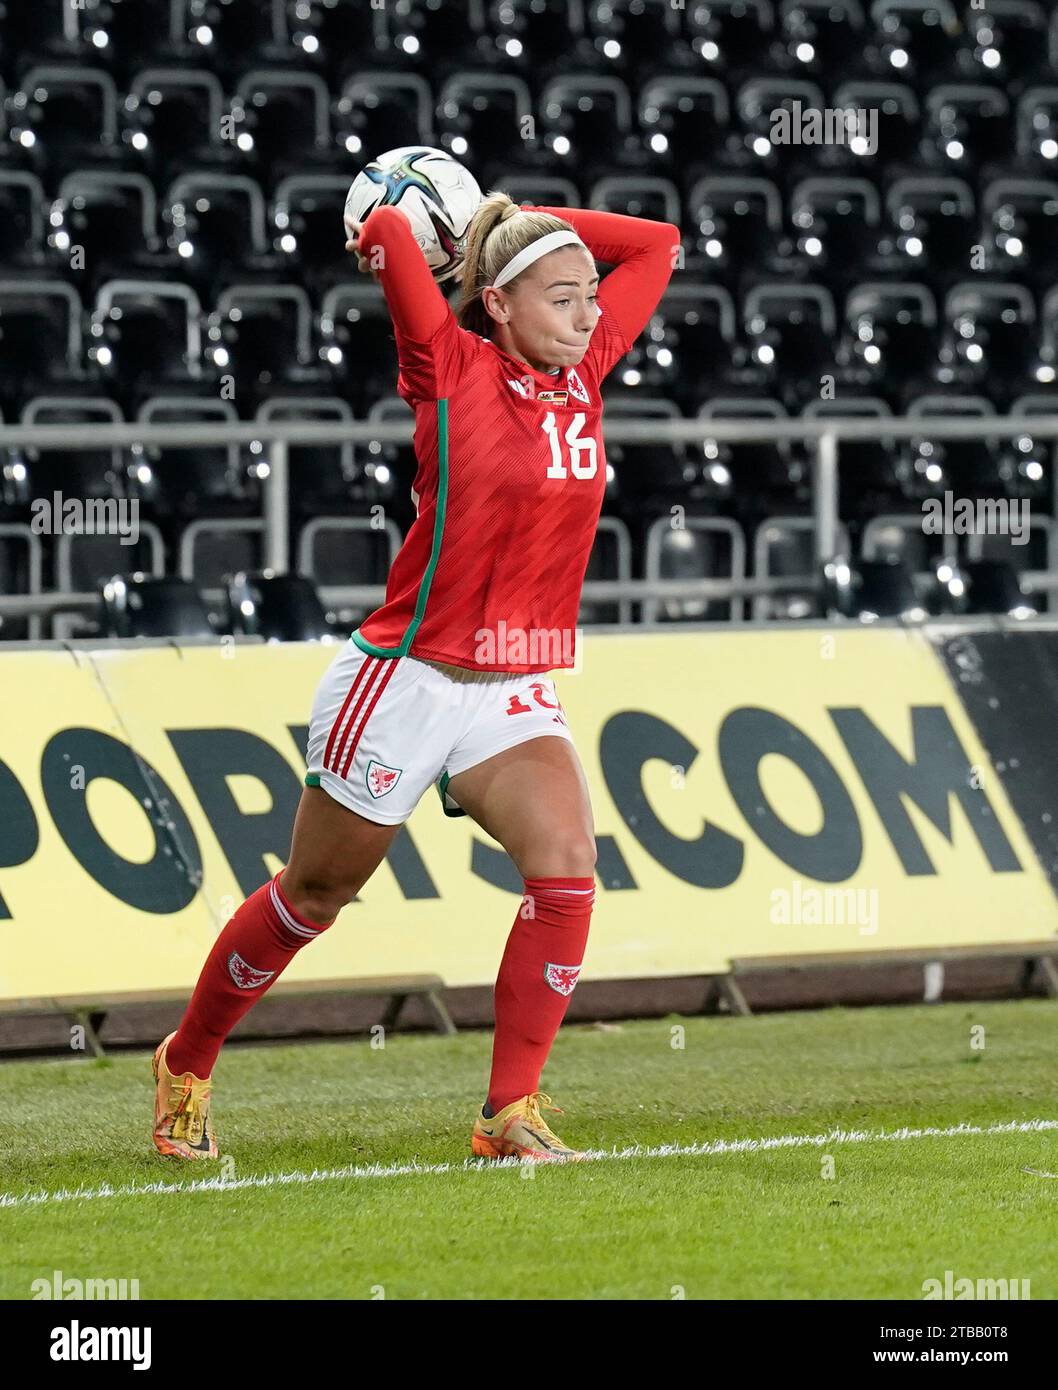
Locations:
{"points": [[706, 1148]]}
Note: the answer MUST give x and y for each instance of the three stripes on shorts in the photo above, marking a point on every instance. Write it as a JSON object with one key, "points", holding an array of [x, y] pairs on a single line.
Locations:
{"points": [[364, 693]]}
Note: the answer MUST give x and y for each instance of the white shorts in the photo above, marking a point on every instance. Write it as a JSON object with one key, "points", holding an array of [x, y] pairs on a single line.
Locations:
{"points": [[383, 729]]}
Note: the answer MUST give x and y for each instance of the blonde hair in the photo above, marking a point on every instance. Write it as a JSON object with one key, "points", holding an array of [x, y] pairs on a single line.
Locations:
{"points": [[498, 230]]}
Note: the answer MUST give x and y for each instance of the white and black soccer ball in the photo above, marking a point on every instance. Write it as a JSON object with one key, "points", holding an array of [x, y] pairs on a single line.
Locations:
{"points": [[435, 193]]}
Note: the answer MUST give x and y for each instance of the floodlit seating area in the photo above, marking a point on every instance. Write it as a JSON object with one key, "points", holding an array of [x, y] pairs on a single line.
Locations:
{"points": [[172, 177]]}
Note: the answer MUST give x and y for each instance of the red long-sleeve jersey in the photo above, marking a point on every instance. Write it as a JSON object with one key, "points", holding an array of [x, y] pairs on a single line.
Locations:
{"points": [[511, 468]]}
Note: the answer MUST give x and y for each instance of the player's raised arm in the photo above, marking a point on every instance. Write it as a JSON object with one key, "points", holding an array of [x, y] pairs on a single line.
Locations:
{"points": [[430, 350], [643, 254]]}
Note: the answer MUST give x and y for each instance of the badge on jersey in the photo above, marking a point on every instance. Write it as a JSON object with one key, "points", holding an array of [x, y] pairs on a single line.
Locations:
{"points": [[577, 387], [381, 779], [552, 397]]}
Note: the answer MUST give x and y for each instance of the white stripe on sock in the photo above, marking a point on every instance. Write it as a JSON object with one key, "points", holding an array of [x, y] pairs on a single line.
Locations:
{"points": [[288, 921]]}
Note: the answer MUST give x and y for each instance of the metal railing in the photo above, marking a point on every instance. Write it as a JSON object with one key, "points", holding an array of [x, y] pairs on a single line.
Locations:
{"points": [[276, 437]]}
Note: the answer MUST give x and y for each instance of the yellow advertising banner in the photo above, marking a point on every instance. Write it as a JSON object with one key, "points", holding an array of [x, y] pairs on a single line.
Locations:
{"points": [[755, 793]]}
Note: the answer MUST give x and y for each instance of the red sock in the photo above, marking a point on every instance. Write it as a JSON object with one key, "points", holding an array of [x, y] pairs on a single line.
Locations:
{"points": [[250, 954], [537, 975]]}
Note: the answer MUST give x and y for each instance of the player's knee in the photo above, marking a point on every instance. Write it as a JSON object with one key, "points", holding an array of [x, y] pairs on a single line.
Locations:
{"points": [[318, 898], [573, 856]]}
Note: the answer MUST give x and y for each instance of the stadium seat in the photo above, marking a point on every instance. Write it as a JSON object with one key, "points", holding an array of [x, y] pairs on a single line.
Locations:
{"points": [[791, 330], [684, 122], [1027, 463], [15, 490], [929, 467], [382, 110], [215, 226], [757, 105], [210, 550], [930, 222], [691, 346], [344, 551], [133, 30], [730, 35], [79, 473], [901, 538], [738, 223], [173, 116], [649, 476], [43, 30], [179, 484], [871, 589], [83, 561], [898, 128], [758, 475], [41, 340], [388, 470], [1020, 223], [988, 335], [281, 121], [867, 482], [110, 219], [540, 190], [919, 39], [434, 32], [21, 221], [992, 587], [323, 478], [333, 34], [66, 116], [143, 333], [261, 336], [230, 33], [277, 607], [1039, 552], [1036, 124], [642, 195], [355, 328], [784, 548], [700, 547], [633, 35], [1010, 39], [837, 223], [585, 121], [889, 335], [524, 30], [138, 605], [486, 119], [818, 36], [306, 227], [967, 125]]}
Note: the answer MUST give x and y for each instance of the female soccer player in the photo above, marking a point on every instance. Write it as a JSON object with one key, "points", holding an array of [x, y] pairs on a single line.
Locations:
{"points": [[445, 683]]}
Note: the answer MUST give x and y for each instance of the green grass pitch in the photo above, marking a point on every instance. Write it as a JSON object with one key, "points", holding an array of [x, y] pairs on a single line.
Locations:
{"points": [[736, 1222]]}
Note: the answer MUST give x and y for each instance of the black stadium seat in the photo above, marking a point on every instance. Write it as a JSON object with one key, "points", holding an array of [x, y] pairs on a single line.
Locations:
{"points": [[138, 605], [279, 608]]}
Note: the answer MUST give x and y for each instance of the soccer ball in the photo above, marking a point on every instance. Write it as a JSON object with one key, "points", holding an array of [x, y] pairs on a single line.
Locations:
{"points": [[433, 191]]}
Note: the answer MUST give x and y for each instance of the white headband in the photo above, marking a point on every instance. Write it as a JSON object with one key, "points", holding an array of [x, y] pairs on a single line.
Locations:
{"points": [[534, 251]]}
